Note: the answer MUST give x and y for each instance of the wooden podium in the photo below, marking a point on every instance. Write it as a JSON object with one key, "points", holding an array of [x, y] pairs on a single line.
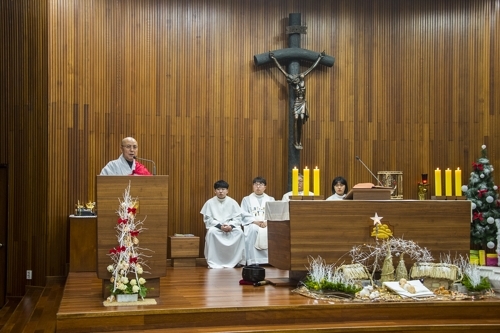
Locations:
{"points": [[152, 195], [368, 191]]}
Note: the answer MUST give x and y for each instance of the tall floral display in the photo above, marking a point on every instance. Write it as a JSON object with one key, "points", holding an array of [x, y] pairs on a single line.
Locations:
{"points": [[483, 193], [128, 261]]}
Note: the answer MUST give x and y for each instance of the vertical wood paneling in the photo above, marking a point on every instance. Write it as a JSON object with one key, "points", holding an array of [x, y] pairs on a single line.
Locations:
{"points": [[413, 88]]}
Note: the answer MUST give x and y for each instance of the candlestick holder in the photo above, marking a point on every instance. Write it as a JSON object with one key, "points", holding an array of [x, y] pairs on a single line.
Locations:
{"points": [[422, 190]]}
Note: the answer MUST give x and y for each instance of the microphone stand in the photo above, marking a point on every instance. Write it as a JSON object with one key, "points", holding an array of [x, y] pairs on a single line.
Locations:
{"points": [[378, 181], [145, 159]]}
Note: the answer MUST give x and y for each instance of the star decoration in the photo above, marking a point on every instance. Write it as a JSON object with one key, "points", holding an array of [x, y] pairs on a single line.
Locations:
{"points": [[376, 219]]}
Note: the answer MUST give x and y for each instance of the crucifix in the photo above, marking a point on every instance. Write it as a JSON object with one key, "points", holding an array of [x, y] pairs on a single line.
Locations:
{"points": [[298, 112]]}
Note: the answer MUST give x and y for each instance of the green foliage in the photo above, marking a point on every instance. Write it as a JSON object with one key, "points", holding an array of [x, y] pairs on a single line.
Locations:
{"points": [[325, 285], [483, 285]]}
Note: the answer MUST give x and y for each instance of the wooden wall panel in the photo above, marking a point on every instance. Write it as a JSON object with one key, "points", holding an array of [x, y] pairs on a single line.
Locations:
{"points": [[412, 88]]}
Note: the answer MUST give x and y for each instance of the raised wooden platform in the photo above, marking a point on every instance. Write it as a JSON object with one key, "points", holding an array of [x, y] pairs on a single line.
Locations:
{"points": [[197, 299]]}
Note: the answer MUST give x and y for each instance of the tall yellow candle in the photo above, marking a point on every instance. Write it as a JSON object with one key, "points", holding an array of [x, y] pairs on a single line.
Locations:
{"points": [[295, 181], [306, 181], [437, 181], [316, 181], [448, 183], [458, 182]]}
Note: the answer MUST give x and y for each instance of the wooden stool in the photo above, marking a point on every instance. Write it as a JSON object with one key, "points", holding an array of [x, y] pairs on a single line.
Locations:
{"points": [[184, 250]]}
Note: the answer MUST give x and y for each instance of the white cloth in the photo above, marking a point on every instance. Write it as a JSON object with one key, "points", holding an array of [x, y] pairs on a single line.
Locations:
{"points": [[335, 196], [223, 249], [286, 196], [253, 208], [118, 167]]}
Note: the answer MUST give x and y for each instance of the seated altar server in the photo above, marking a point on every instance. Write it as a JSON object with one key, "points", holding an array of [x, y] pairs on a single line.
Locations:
{"points": [[286, 196], [224, 241], [126, 164], [339, 189], [254, 223]]}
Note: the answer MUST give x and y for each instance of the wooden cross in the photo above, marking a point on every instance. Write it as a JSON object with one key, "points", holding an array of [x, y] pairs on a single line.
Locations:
{"points": [[292, 55]]}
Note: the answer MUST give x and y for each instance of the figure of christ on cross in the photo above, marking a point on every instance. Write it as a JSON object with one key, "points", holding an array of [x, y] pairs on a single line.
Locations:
{"points": [[300, 110]]}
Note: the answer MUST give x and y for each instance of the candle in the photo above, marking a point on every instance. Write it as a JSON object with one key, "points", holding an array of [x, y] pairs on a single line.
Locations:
{"points": [[295, 181], [437, 181], [316, 181], [458, 182], [449, 191], [306, 181]]}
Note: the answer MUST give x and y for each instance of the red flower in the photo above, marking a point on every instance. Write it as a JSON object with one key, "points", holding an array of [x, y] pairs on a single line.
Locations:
{"points": [[478, 166], [478, 216], [131, 210]]}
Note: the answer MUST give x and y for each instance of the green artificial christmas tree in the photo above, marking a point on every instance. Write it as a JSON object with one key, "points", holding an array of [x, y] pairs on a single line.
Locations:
{"points": [[483, 193]]}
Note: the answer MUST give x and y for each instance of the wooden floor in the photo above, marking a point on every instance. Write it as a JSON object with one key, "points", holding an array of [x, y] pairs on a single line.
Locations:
{"points": [[198, 299]]}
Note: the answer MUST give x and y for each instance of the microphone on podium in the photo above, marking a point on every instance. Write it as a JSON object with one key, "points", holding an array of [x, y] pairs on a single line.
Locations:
{"points": [[378, 181], [145, 159]]}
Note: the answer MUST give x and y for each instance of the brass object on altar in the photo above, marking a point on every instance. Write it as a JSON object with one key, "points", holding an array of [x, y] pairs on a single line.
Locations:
{"points": [[422, 190], [394, 180], [90, 206], [79, 208]]}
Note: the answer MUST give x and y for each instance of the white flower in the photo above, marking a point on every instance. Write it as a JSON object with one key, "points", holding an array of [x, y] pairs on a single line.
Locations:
{"points": [[139, 270], [111, 268], [124, 279], [136, 289], [483, 147], [142, 280], [133, 282]]}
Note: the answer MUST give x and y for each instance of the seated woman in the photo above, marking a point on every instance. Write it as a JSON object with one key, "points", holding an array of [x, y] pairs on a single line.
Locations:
{"points": [[339, 189]]}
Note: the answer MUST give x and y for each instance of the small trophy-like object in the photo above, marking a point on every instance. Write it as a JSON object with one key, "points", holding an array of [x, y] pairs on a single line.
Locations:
{"points": [[422, 187], [79, 208], [90, 206]]}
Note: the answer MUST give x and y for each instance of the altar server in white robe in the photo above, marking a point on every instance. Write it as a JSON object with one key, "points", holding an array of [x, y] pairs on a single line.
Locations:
{"points": [[255, 224], [286, 196], [339, 189], [224, 241]]}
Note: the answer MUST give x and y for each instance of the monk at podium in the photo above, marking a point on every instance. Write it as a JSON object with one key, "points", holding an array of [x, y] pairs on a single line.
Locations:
{"points": [[126, 164]]}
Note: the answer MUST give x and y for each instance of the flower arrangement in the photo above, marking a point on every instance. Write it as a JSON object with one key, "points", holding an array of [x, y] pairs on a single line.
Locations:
{"points": [[127, 260]]}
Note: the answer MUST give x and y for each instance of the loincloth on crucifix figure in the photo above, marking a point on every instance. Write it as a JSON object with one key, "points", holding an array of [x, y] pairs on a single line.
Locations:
{"points": [[300, 110]]}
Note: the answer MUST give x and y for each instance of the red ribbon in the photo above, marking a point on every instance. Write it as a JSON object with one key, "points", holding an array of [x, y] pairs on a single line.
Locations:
{"points": [[133, 260], [131, 210], [478, 216], [122, 221], [481, 192], [478, 166], [134, 233]]}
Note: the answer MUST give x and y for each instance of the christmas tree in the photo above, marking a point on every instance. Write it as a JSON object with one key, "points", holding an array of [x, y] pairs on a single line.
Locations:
{"points": [[482, 192]]}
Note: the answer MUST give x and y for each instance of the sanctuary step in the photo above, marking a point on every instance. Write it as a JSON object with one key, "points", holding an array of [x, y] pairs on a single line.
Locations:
{"points": [[197, 299]]}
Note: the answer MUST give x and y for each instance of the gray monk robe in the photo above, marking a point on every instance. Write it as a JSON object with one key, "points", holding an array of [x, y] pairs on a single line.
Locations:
{"points": [[121, 167], [223, 249]]}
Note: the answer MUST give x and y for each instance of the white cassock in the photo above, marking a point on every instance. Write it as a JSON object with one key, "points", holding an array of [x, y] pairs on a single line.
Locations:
{"points": [[253, 207], [223, 249], [286, 196], [335, 196]]}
